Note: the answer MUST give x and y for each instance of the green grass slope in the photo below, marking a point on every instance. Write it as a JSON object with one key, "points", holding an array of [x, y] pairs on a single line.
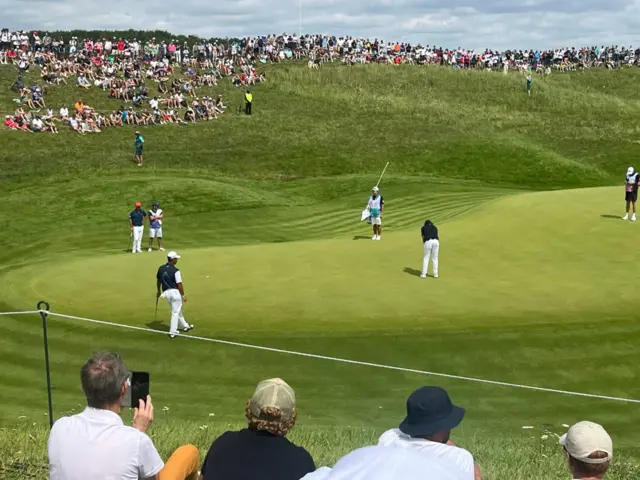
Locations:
{"points": [[535, 288]]}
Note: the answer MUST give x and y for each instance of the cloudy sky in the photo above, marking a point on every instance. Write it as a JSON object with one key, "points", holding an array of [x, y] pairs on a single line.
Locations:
{"points": [[451, 23]]}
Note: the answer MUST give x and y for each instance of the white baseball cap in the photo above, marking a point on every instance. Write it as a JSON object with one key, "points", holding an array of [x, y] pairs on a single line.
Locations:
{"points": [[172, 255], [630, 171], [375, 189], [586, 438]]}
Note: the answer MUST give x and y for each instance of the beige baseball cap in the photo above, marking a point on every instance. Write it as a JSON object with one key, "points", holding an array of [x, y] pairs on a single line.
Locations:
{"points": [[585, 438], [275, 393]]}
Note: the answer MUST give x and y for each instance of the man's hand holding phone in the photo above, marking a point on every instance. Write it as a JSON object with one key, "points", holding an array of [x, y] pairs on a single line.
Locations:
{"points": [[143, 415]]}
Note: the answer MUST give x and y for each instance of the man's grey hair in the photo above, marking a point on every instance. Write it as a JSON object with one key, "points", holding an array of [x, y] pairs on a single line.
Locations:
{"points": [[102, 378]]}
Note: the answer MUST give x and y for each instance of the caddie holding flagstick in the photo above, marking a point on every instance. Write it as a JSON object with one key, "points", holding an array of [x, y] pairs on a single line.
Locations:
{"points": [[376, 211]]}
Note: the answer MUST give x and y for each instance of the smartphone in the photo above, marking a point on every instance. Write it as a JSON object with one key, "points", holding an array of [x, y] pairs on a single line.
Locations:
{"points": [[138, 389]]}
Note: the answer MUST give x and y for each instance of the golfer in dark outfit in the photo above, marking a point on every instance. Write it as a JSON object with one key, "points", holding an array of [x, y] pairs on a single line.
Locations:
{"points": [[429, 233], [169, 286]]}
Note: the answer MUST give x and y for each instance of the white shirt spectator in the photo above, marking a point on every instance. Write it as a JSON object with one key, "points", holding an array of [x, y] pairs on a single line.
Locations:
{"points": [[36, 124], [64, 112], [384, 463], [457, 460], [96, 444], [154, 103]]}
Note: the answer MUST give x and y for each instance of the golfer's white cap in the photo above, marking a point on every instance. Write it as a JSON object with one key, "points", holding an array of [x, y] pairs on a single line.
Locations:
{"points": [[585, 438], [375, 189], [172, 255], [630, 171]]}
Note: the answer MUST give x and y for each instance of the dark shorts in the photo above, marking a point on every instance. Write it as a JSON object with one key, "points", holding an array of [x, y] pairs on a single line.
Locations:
{"points": [[631, 196], [138, 150]]}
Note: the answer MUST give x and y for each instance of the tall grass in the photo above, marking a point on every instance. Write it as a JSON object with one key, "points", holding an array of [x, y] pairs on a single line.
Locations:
{"points": [[527, 456]]}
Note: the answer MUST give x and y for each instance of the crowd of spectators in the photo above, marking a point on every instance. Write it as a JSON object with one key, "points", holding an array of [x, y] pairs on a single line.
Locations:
{"points": [[123, 71], [96, 444], [124, 68]]}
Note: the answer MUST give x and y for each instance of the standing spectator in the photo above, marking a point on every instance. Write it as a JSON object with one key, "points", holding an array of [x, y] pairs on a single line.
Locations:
{"points": [[136, 222], [631, 192], [589, 450], [169, 280], [261, 450], [427, 428], [139, 146], [96, 444], [431, 244], [155, 225], [248, 100]]}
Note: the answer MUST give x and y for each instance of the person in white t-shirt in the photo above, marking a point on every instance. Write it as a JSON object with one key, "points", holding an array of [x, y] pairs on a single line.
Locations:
{"points": [[95, 444], [384, 463], [427, 428]]}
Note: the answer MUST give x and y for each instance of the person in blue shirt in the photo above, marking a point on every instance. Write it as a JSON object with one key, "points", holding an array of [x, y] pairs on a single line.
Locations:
{"points": [[139, 145], [136, 222]]}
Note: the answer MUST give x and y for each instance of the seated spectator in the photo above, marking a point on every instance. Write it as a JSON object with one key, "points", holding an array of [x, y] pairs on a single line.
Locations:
{"points": [[427, 427], [589, 450], [95, 444], [83, 82], [11, 124], [384, 463], [64, 114], [36, 124], [262, 450]]}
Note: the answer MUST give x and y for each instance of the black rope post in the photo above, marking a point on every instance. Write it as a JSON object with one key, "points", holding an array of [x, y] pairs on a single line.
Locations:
{"points": [[43, 309]]}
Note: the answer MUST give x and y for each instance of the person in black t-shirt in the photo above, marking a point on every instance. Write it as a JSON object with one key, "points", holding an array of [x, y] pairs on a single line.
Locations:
{"points": [[261, 451]]}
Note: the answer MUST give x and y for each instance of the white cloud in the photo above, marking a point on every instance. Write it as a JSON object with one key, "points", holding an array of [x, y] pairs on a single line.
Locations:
{"points": [[469, 23]]}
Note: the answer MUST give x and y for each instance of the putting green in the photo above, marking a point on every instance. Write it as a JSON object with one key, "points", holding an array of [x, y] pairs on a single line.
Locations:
{"points": [[535, 289], [527, 258]]}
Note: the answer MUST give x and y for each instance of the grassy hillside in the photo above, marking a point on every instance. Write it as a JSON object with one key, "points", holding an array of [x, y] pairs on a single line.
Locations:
{"points": [[534, 287]]}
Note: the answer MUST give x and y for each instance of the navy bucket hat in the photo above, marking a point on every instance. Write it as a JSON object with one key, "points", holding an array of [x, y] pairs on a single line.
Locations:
{"points": [[429, 411]]}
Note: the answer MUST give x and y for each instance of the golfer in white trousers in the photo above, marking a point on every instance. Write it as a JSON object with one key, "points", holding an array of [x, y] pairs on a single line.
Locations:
{"points": [[431, 242], [136, 222], [169, 281]]}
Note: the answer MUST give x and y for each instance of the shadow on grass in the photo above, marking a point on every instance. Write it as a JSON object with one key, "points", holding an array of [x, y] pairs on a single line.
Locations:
{"points": [[412, 271], [362, 237], [614, 217], [159, 326]]}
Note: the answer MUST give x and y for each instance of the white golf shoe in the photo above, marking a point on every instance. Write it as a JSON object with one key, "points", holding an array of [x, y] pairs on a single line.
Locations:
{"points": [[423, 276], [375, 237], [190, 327], [626, 217], [149, 250], [161, 249], [633, 217], [378, 237]]}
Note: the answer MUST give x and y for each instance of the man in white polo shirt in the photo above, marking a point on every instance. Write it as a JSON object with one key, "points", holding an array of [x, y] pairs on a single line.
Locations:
{"points": [[96, 445], [589, 450]]}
